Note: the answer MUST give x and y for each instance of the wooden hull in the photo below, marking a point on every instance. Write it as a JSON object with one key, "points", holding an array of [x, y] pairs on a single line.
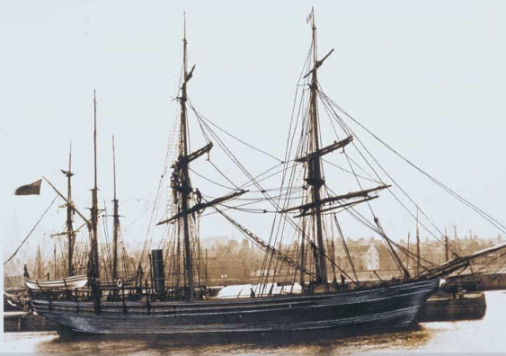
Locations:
{"points": [[382, 307]]}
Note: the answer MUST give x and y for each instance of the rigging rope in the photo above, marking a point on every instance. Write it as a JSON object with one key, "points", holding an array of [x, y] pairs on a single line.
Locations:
{"points": [[348, 129], [482, 213], [33, 228], [238, 139], [347, 171]]}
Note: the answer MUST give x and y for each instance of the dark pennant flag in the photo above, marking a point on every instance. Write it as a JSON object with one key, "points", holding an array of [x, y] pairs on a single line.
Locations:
{"points": [[29, 189]]}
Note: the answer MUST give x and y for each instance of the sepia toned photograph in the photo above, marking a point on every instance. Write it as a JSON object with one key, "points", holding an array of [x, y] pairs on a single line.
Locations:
{"points": [[253, 178]]}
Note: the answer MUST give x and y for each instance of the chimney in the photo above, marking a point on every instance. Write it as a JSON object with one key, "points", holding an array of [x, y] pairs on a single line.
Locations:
{"points": [[158, 272]]}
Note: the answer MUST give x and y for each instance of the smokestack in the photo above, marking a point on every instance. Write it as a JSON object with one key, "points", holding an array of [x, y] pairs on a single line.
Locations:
{"points": [[158, 272]]}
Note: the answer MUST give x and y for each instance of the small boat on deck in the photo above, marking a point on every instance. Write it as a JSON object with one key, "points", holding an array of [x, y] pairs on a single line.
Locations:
{"points": [[69, 283]]}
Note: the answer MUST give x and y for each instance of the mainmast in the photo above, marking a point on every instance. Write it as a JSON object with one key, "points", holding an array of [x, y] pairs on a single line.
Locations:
{"points": [[183, 169], [311, 157], [116, 220], [70, 211], [314, 178]]}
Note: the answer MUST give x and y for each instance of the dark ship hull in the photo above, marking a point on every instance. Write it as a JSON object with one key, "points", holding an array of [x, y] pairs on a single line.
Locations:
{"points": [[382, 307]]}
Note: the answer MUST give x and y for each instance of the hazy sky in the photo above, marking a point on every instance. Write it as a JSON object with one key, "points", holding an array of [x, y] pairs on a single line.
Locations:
{"points": [[428, 77]]}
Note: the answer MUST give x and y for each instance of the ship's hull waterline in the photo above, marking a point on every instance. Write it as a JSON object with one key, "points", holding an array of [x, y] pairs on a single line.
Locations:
{"points": [[385, 307]]}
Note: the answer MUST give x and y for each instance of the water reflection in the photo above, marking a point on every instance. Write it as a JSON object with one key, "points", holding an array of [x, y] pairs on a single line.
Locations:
{"points": [[316, 343]]}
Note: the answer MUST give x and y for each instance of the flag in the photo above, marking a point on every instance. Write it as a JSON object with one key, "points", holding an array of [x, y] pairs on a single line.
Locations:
{"points": [[29, 189]]}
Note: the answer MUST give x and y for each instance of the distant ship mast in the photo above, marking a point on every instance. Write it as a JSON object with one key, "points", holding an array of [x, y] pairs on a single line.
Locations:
{"points": [[94, 270], [115, 220], [70, 211]]}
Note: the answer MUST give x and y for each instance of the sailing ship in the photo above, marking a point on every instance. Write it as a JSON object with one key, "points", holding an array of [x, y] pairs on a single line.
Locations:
{"points": [[176, 298]]}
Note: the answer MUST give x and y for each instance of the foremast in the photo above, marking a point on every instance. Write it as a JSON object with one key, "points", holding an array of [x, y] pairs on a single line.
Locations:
{"points": [[181, 184]]}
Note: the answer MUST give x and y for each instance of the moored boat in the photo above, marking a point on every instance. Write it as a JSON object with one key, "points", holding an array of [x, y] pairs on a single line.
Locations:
{"points": [[392, 306], [176, 298]]}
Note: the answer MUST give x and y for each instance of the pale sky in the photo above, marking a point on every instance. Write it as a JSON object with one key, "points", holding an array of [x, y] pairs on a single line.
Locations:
{"points": [[427, 77]]}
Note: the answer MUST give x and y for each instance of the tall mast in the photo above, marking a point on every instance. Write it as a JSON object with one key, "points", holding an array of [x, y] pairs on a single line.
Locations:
{"points": [[116, 220], [183, 169], [94, 192], [315, 179], [70, 210], [181, 184]]}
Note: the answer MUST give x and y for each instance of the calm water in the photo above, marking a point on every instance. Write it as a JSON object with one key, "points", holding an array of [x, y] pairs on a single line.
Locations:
{"points": [[486, 335]]}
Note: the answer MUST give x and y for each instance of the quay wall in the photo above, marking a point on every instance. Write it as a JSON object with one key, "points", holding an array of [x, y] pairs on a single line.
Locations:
{"points": [[468, 306], [23, 321]]}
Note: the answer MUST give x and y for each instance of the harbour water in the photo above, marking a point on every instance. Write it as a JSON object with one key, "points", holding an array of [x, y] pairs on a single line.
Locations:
{"points": [[477, 336]]}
